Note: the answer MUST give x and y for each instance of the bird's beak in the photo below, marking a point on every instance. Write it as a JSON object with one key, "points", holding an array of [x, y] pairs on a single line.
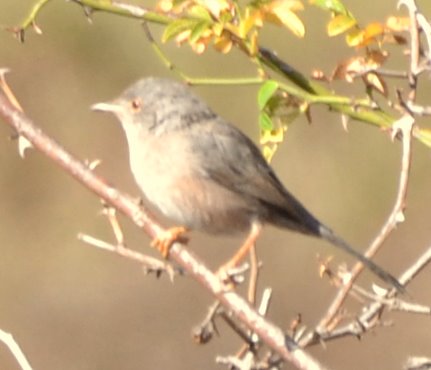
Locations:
{"points": [[107, 107]]}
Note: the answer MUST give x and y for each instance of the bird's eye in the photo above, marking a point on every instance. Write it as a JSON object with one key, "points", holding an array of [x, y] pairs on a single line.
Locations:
{"points": [[136, 105]]}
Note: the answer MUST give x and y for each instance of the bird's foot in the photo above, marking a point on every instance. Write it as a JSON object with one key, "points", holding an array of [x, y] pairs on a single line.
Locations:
{"points": [[231, 275], [164, 240], [226, 279]]}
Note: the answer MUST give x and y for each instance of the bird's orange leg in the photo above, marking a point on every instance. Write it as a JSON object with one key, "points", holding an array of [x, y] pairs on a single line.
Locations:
{"points": [[223, 271], [163, 241]]}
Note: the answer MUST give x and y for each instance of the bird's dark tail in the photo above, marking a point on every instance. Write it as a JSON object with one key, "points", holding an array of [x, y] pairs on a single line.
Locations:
{"points": [[330, 236]]}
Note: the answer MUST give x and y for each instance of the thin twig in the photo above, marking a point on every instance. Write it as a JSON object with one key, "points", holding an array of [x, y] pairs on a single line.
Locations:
{"points": [[418, 110], [263, 309], [414, 47], [150, 264], [426, 29], [237, 328], [195, 80], [392, 73], [252, 343], [111, 214], [370, 315], [16, 351], [204, 332]]}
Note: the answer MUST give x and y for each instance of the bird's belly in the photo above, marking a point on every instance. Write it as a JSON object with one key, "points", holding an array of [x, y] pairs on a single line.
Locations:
{"points": [[183, 194], [197, 204]]}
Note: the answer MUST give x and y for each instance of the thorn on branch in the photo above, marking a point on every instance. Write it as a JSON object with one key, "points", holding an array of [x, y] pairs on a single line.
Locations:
{"points": [[23, 143], [88, 11], [18, 33], [236, 275], [204, 332], [36, 28]]}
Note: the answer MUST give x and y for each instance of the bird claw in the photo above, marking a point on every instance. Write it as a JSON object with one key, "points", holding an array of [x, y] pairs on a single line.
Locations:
{"points": [[226, 279], [231, 276], [164, 240]]}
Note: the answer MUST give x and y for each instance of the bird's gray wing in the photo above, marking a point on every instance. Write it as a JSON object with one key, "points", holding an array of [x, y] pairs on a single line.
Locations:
{"points": [[233, 161]]}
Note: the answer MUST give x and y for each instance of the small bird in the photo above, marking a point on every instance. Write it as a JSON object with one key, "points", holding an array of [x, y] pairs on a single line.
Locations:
{"points": [[205, 174]]}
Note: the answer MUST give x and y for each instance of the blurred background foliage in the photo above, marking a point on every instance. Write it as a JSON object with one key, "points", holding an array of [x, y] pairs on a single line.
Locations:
{"points": [[71, 306]]}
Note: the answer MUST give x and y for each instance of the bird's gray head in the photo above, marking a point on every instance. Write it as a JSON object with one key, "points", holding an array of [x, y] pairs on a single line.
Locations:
{"points": [[157, 105]]}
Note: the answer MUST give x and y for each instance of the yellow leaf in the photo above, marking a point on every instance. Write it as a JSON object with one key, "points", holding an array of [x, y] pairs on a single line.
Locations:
{"points": [[217, 29], [355, 37], [374, 29], [366, 36], [340, 24], [274, 136], [253, 46], [223, 44], [252, 18], [232, 28], [268, 152], [288, 18]]}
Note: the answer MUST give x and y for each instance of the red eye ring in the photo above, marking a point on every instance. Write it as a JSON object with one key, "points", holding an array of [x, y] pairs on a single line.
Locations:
{"points": [[136, 104]]}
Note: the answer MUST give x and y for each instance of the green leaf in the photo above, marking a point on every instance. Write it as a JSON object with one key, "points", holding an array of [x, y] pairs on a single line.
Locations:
{"points": [[197, 31], [335, 6], [340, 24], [176, 27], [200, 12], [265, 93], [265, 122]]}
